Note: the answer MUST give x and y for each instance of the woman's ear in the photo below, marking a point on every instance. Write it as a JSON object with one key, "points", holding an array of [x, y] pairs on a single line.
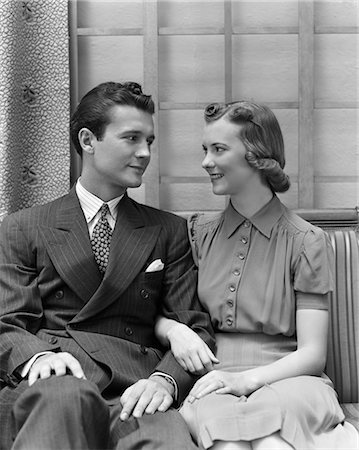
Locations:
{"points": [[86, 138]]}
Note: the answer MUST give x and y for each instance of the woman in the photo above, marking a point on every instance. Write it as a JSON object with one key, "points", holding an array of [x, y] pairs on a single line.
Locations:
{"points": [[264, 275]]}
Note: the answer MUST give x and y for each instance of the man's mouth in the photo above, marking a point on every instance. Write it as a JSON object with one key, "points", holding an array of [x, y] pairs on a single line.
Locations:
{"points": [[139, 168]]}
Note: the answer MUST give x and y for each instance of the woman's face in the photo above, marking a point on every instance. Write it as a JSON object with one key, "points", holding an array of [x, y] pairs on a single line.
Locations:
{"points": [[224, 159]]}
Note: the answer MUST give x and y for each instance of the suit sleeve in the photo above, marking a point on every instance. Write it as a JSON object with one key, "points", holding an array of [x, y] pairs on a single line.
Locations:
{"points": [[20, 302], [180, 302]]}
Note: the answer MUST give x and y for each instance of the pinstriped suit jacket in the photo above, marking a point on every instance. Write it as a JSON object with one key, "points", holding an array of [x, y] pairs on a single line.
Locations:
{"points": [[52, 296]]}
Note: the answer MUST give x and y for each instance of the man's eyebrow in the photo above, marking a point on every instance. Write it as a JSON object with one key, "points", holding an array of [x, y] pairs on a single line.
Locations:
{"points": [[131, 131]]}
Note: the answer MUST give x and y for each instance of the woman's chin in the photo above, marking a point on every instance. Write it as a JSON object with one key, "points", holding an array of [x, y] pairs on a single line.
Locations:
{"points": [[217, 190]]}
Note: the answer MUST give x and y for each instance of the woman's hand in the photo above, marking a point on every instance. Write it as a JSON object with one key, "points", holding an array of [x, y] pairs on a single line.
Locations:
{"points": [[243, 383], [189, 350]]}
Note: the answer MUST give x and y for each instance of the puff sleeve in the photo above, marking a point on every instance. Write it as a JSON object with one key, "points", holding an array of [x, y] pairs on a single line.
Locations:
{"points": [[313, 272]]}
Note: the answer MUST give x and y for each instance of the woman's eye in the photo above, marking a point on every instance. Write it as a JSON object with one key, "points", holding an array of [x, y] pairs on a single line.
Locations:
{"points": [[219, 149]]}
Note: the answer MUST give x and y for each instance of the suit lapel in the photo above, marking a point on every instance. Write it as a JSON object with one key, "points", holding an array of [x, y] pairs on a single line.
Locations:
{"points": [[69, 248], [131, 244]]}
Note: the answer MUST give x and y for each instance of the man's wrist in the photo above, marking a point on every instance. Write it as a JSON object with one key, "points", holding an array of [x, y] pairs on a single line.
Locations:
{"points": [[167, 382]]}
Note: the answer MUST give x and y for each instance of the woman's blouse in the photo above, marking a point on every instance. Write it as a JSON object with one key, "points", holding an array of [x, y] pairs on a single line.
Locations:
{"points": [[255, 273]]}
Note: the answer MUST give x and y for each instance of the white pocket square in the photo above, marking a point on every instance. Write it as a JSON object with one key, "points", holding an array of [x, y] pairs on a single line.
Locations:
{"points": [[155, 266]]}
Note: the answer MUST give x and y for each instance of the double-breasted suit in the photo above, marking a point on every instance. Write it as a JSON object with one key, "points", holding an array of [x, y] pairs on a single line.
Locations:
{"points": [[53, 297]]}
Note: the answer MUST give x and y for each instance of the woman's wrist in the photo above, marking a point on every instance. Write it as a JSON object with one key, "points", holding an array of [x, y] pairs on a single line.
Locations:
{"points": [[171, 330], [254, 380]]}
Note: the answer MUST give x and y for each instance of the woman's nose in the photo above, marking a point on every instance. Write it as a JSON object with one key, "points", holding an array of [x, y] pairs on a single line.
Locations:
{"points": [[207, 162]]}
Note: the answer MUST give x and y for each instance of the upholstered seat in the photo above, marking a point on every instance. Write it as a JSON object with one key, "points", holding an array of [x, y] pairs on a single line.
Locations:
{"points": [[343, 345], [343, 341]]}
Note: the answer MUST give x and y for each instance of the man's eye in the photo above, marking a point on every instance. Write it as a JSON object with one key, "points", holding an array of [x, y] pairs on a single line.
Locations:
{"points": [[219, 149], [132, 138]]}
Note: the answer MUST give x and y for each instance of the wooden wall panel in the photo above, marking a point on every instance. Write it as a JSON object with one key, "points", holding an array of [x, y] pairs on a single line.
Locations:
{"points": [[288, 121], [336, 140], [336, 13], [151, 178], [191, 68], [265, 14], [107, 14], [336, 68], [181, 143], [187, 14], [298, 56], [109, 58], [265, 68], [306, 104], [190, 197], [336, 195], [291, 198]]}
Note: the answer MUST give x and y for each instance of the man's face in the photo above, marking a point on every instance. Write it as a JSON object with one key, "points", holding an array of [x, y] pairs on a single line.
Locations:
{"points": [[121, 156]]}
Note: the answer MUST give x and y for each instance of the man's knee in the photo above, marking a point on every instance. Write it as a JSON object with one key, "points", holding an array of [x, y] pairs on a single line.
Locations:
{"points": [[70, 410], [59, 394]]}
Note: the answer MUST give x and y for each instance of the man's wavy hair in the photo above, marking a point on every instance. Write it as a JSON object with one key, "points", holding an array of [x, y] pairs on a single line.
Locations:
{"points": [[93, 109], [261, 136]]}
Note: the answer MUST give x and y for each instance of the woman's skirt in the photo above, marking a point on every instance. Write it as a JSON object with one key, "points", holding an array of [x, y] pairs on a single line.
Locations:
{"points": [[304, 410]]}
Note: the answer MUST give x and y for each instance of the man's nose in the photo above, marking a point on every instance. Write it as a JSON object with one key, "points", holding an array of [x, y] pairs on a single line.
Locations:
{"points": [[143, 151]]}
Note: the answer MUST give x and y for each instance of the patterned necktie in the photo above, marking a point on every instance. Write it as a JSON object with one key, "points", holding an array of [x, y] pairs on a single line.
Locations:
{"points": [[101, 239]]}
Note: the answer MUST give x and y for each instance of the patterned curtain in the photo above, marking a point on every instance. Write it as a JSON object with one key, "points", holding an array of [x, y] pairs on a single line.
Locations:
{"points": [[34, 103]]}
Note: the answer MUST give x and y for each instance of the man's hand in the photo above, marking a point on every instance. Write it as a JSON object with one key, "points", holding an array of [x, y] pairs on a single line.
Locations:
{"points": [[57, 364], [147, 396]]}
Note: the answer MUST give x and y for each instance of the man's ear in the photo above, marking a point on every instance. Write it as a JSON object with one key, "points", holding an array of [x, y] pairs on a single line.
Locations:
{"points": [[86, 138]]}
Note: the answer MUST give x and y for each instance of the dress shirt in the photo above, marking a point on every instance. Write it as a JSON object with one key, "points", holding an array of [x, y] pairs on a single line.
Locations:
{"points": [[91, 205]]}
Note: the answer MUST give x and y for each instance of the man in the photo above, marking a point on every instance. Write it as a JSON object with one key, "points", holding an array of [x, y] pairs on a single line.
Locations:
{"points": [[82, 280]]}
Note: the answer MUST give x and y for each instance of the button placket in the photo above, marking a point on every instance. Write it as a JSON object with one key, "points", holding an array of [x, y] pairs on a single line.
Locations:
{"points": [[238, 262]]}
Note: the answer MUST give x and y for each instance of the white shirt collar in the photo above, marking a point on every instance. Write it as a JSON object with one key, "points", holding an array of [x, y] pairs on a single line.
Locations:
{"points": [[91, 204]]}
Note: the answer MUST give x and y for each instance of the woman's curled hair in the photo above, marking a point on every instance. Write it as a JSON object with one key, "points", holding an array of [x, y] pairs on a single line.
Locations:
{"points": [[261, 136]]}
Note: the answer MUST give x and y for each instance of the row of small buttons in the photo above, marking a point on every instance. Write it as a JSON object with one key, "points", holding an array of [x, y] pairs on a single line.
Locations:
{"points": [[236, 271]]}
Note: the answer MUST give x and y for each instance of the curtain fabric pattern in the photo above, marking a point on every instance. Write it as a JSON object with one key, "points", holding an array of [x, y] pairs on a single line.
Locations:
{"points": [[34, 103]]}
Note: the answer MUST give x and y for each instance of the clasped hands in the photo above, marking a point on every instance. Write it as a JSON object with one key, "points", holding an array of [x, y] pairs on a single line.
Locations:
{"points": [[146, 396]]}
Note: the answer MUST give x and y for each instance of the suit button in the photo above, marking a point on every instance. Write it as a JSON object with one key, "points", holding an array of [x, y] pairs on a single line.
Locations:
{"points": [[52, 340], [128, 331], [144, 350], [144, 294], [59, 294]]}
